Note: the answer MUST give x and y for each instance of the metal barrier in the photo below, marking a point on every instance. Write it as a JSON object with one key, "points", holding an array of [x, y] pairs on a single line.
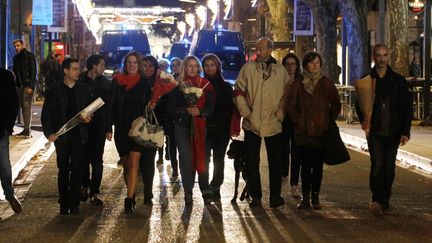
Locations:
{"points": [[347, 97]]}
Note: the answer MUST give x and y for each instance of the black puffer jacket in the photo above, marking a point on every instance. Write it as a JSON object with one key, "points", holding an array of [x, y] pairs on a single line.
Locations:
{"points": [[24, 68], [55, 105]]}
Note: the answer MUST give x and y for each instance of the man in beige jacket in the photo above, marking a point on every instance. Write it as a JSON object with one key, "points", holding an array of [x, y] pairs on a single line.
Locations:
{"points": [[258, 96]]}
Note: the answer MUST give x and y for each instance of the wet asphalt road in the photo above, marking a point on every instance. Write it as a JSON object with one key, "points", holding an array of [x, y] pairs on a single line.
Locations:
{"points": [[345, 217]]}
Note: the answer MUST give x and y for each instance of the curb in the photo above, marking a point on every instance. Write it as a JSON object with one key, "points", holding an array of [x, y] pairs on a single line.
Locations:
{"points": [[360, 144]]}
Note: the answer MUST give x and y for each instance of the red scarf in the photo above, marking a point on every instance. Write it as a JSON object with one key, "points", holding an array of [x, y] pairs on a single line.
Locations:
{"points": [[127, 80], [198, 129]]}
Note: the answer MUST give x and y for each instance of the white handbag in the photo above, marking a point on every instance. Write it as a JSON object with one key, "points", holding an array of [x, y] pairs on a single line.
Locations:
{"points": [[146, 131]]}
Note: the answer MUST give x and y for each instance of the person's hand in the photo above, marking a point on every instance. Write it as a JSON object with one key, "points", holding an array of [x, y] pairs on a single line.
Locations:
{"points": [[108, 136], [29, 91], [151, 105], [52, 137], [85, 118], [404, 140], [193, 111], [365, 127]]}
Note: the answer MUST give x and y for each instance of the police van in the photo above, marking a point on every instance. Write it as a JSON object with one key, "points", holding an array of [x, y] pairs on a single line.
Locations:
{"points": [[179, 49], [117, 43], [226, 44]]}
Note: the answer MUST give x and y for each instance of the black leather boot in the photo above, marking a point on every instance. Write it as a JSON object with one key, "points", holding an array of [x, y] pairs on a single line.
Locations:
{"points": [[305, 203], [315, 201], [129, 205]]}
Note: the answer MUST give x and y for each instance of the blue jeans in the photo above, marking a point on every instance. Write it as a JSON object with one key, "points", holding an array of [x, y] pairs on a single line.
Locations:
{"points": [[5, 166], [183, 137]]}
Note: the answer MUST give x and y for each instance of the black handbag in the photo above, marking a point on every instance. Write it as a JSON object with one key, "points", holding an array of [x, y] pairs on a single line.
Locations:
{"points": [[333, 147]]}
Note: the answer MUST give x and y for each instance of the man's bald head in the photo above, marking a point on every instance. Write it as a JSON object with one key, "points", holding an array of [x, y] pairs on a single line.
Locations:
{"points": [[264, 47]]}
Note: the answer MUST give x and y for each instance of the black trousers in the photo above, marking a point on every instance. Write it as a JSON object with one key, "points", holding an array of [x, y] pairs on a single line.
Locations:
{"points": [[312, 161], [289, 158], [70, 164], [216, 144], [147, 167], [171, 148], [383, 151], [93, 155], [274, 156]]}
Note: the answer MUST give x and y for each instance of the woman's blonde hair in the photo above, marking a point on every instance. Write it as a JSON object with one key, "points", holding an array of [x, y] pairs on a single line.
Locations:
{"points": [[185, 62]]}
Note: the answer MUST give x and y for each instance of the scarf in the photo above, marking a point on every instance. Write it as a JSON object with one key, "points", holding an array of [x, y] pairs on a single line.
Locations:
{"points": [[310, 80], [127, 80], [266, 67], [198, 126]]}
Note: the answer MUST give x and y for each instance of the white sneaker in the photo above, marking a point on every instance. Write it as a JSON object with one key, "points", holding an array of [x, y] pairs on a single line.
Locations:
{"points": [[295, 192]]}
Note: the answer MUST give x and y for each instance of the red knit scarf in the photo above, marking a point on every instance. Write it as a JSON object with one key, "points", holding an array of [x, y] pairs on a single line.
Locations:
{"points": [[198, 129], [127, 80]]}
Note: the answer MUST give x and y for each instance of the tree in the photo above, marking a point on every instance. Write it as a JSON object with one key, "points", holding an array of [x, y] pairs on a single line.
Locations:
{"points": [[398, 35], [354, 14], [279, 20], [325, 14]]}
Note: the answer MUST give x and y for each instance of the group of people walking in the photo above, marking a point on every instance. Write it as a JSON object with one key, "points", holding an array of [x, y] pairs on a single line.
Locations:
{"points": [[287, 105]]}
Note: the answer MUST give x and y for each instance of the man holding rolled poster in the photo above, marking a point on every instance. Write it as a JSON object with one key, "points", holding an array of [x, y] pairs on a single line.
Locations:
{"points": [[384, 110], [63, 101]]}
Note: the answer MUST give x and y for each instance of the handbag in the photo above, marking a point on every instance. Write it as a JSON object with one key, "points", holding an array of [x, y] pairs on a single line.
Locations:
{"points": [[334, 148], [146, 131]]}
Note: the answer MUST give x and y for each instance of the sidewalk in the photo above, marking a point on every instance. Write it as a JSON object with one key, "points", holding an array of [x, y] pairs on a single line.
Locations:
{"points": [[22, 150], [417, 153]]}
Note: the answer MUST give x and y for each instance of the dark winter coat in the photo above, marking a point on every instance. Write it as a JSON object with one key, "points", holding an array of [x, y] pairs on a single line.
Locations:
{"points": [[400, 103], [55, 106], [8, 102], [219, 120], [99, 87], [121, 113], [24, 68]]}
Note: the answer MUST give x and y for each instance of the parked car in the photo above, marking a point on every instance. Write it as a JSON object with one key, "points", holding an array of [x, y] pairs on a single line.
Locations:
{"points": [[226, 44], [117, 43]]}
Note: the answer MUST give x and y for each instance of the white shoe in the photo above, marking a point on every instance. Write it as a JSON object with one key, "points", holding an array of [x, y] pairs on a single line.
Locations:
{"points": [[294, 192]]}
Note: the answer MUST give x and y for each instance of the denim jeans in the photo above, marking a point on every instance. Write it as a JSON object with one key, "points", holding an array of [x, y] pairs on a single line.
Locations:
{"points": [[217, 143], [183, 137], [312, 161], [383, 151], [26, 102], [5, 166], [274, 157]]}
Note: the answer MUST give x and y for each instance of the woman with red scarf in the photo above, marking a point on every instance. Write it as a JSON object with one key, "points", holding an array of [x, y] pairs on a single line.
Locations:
{"points": [[190, 126], [128, 96]]}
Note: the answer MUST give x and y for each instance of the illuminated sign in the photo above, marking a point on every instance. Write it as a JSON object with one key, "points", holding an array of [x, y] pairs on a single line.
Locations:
{"points": [[416, 6], [42, 12]]}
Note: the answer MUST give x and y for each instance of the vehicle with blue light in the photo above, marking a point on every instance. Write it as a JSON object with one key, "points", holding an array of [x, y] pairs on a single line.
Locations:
{"points": [[117, 43], [226, 44], [179, 49]]}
